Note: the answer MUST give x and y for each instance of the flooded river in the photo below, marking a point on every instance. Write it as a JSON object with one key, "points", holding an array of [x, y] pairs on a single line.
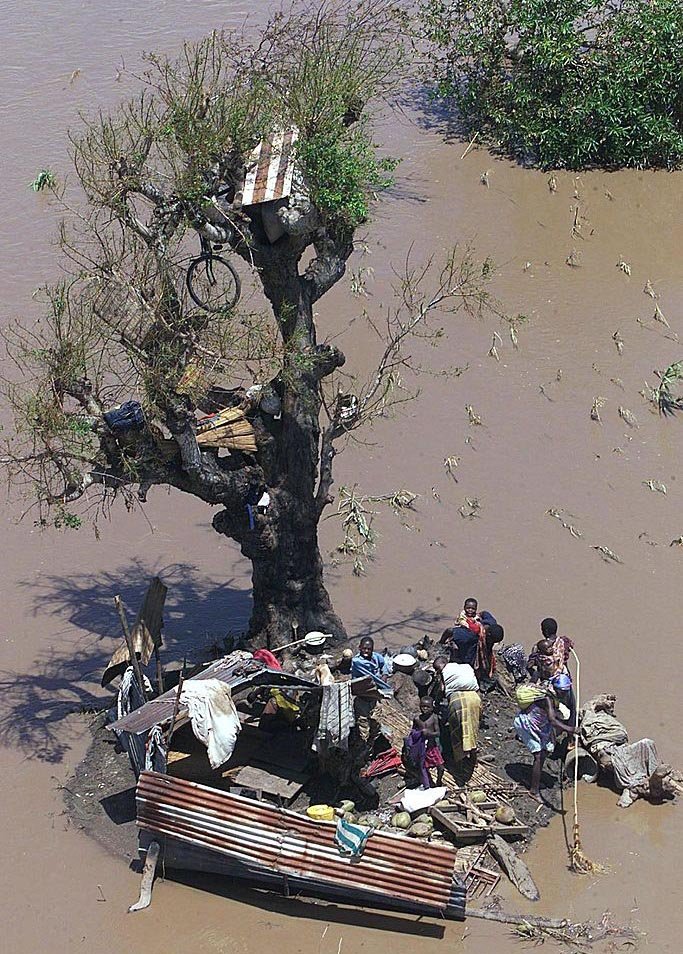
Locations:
{"points": [[536, 448]]}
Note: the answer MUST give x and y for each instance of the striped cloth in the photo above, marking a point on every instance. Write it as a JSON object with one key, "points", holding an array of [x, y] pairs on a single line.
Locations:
{"points": [[336, 717], [351, 839], [464, 711]]}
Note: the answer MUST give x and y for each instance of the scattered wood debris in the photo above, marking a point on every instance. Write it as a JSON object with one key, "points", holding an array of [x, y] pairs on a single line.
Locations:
{"points": [[559, 515], [628, 416], [473, 418], [470, 508], [598, 402], [451, 464], [608, 555], [493, 350], [660, 317]]}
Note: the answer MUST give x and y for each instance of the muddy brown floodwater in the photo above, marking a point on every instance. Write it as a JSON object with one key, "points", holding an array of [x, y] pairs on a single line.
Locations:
{"points": [[536, 449]]}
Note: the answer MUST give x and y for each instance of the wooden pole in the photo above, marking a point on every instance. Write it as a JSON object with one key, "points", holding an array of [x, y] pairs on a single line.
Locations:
{"points": [[160, 670], [132, 655], [176, 704], [147, 878]]}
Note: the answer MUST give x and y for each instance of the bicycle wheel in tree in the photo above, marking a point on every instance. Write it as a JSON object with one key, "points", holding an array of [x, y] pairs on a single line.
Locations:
{"points": [[213, 283]]}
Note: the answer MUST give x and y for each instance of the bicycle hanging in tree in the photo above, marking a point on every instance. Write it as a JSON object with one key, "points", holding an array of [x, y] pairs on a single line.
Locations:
{"points": [[212, 281]]}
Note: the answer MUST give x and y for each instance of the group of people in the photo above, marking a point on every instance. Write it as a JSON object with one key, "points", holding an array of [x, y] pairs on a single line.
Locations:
{"points": [[464, 669]]}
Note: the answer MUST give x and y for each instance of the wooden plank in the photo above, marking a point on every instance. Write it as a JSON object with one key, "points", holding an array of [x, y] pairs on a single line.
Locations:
{"points": [[261, 780], [514, 867], [145, 633], [147, 881], [454, 819]]}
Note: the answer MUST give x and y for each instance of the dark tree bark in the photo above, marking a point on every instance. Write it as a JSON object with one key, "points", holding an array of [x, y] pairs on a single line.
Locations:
{"points": [[288, 587]]}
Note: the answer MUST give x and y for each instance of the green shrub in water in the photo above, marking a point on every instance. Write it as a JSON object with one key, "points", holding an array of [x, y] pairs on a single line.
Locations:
{"points": [[564, 83]]}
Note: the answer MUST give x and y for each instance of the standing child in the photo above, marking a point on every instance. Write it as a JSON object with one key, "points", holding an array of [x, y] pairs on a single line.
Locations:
{"points": [[422, 745]]}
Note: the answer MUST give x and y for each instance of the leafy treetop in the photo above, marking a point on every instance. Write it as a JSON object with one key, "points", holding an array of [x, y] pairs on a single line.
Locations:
{"points": [[565, 83]]}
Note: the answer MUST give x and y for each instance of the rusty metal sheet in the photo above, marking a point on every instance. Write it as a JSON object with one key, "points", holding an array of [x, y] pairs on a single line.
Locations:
{"points": [[233, 669], [262, 837], [270, 169]]}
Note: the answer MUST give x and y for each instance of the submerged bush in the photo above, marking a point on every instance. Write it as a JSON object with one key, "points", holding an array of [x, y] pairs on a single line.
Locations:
{"points": [[564, 83]]}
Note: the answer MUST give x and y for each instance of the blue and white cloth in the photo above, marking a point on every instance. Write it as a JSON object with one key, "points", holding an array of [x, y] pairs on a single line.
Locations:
{"points": [[351, 839]]}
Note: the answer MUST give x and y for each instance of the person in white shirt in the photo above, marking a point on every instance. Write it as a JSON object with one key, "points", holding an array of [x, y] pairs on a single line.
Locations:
{"points": [[464, 707], [458, 677]]}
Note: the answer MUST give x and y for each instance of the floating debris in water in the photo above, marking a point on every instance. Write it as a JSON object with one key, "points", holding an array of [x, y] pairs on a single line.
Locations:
{"points": [[552, 184], [573, 259], [558, 375], [628, 416], [559, 515], [624, 267], [660, 317], [526, 266], [472, 416], [470, 508], [514, 322], [677, 542], [617, 450], [618, 341], [598, 402], [650, 395], [484, 178], [435, 494], [608, 555], [451, 464], [493, 350], [618, 382], [358, 282], [645, 536], [609, 195], [649, 290], [655, 485]]}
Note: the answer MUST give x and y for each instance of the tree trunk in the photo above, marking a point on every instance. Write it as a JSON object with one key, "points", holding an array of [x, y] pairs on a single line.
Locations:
{"points": [[288, 588], [287, 572]]}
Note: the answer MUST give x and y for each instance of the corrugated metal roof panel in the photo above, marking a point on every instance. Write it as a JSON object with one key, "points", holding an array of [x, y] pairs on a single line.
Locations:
{"points": [[270, 169], [235, 670], [262, 837]]}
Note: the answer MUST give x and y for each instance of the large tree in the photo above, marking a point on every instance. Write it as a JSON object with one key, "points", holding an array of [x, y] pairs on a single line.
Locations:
{"points": [[169, 166]]}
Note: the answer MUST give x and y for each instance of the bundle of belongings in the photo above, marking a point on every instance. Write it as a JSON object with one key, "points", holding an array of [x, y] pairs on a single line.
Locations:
{"points": [[635, 765]]}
